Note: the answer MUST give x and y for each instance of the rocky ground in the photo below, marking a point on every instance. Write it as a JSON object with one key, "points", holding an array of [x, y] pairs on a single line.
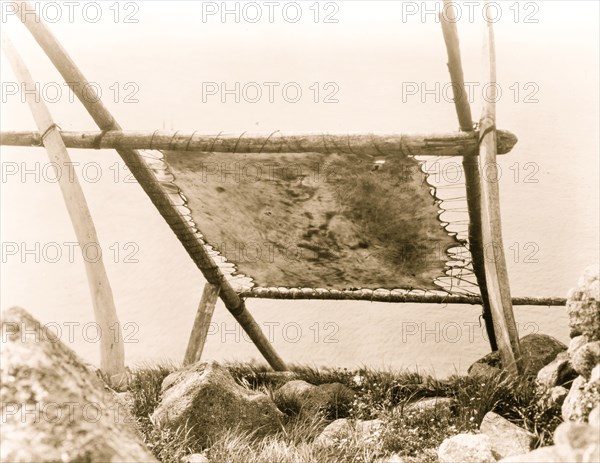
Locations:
{"points": [[55, 408]]}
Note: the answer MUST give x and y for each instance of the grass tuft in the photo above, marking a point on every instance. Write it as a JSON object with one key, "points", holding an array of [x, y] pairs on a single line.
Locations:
{"points": [[415, 436]]}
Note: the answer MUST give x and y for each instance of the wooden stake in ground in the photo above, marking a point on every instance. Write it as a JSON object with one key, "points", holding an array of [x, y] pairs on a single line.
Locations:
{"points": [[470, 164], [496, 273], [146, 179], [193, 353], [112, 361]]}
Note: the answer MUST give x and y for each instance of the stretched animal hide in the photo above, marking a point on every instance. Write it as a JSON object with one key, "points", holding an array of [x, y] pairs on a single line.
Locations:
{"points": [[333, 221]]}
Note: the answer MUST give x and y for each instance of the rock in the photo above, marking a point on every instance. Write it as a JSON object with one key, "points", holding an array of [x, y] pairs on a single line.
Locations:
{"points": [[541, 455], [555, 397], [594, 418], [591, 397], [576, 343], [308, 399], [595, 373], [442, 406], [582, 398], [280, 377], [570, 407], [585, 358], [393, 458], [291, 391], [537, 351], [205, 399], [466, 448], [195, 458], [576, 441], [484, 370], [54, 408], [343, 427], [506, 438], [583, 305], [557, 372], [593, 456]]}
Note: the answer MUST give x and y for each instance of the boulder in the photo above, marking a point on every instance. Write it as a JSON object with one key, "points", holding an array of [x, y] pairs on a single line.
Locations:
{"points": [[537, 350], [577, 342], [594, 418], [279, 377], [54, 407], [542, 455], [595, 373], [195, 458], [309, 400], [582, 398], [555, 397], [571, 410], [574, 442], [585, 358], [205, 400], [393, 458], [441, 406], [577, 442], [506, 438], [557, 372], [293, 391], [583, 305], [466, 448], [361, 430], [484, 370]]}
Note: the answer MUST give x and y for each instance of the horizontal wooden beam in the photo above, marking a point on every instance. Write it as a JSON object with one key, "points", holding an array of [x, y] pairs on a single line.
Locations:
{"points": [[445, 144], [388, 296]]}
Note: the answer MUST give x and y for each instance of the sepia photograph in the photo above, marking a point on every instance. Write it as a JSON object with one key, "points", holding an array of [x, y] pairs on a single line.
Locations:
{"points": [[300, 231]]}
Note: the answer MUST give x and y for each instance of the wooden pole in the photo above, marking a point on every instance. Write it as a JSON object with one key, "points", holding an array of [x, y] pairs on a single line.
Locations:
{"points": [[112, 356], [470, 165], [193, 353], [495, 264], [461, 102], [143, 174], [388, 296], [445, 144]]}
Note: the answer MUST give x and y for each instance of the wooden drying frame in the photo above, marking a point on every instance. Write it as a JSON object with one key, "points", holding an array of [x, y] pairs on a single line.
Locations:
{"points": [[475, 148]]}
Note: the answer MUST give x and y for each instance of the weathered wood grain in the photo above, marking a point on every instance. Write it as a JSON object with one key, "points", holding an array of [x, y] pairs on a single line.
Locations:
{"points": [[442, 144]]}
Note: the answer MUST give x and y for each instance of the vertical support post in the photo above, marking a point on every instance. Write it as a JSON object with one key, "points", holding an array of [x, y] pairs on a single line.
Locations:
{"points": [[470, 163], [112, 354], [193, 353], [144, 176], [496, 272]]}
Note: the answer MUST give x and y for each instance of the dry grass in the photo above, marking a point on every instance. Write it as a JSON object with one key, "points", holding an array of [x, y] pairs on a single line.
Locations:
{"points": [[379, 394]]}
